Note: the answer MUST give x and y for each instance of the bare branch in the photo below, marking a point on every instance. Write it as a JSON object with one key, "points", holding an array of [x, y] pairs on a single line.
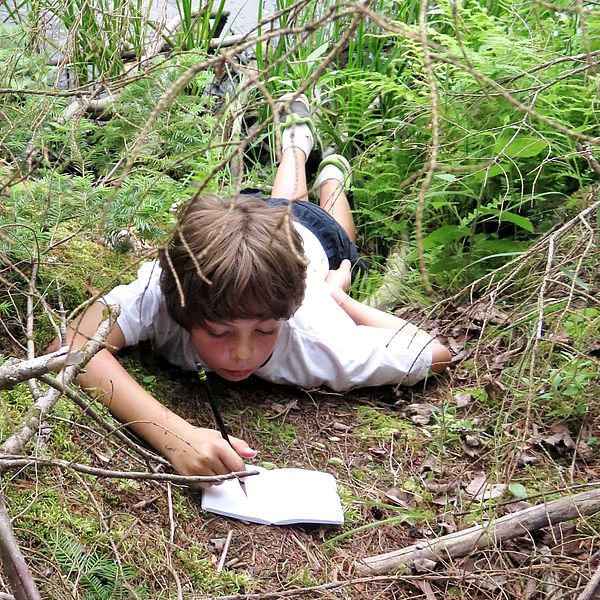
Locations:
{"points": [[13, 563], [8, 461], [36, 414], [463, 542], [14, 371]]}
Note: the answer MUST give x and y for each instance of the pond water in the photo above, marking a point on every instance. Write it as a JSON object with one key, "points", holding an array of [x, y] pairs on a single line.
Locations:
{"points": [[243, 13]]}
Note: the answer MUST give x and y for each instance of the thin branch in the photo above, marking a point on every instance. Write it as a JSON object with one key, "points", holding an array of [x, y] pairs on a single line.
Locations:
{"points": [[10, 461], [15, 371], [13, 563], [36, 414], [461, 543], [111, 430]]}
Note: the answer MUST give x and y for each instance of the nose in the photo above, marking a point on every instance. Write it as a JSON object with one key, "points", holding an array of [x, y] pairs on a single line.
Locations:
{"points": [[242, 350]]}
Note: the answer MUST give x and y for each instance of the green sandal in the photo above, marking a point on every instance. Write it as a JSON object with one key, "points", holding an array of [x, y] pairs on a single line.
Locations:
{"points": [[337, 160], [296, 111]]}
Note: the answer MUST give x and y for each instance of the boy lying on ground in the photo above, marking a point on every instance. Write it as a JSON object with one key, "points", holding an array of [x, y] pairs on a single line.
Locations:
{"points": [[252, 286]]}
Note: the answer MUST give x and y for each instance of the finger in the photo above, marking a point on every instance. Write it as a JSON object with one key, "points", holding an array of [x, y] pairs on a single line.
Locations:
{"points": [[242, 448]]}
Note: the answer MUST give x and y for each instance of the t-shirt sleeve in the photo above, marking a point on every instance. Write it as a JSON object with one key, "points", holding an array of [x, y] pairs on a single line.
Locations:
{"points": [[139, 302]]}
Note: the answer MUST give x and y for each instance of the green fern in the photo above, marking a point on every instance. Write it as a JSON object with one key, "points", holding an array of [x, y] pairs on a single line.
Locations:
{"points": [[99, 577]]}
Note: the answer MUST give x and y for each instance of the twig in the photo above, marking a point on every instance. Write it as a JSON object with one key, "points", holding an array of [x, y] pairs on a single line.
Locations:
{"points": [[15, 371], [463, 542], [32, 383], [592, 588], [117, 432], [225, 550], [13, 563], [435, 144], [9, 461], [36, 414]]}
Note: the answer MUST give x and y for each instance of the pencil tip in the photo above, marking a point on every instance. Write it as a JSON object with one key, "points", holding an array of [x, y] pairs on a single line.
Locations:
{"points": [[243, 486]]}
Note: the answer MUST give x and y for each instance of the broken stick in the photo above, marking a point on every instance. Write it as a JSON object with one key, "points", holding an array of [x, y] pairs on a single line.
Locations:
{"points": [[463, 542]]}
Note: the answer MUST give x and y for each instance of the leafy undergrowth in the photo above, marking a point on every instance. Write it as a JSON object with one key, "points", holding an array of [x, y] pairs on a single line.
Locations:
{"points": [[411, 465]]}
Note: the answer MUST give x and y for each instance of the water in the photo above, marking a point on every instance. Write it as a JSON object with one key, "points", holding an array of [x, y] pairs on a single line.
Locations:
{"points": [[243, 14]]}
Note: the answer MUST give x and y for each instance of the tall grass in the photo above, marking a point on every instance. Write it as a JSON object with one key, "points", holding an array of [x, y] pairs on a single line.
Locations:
{"points": [[198, 27], [95, 36]]}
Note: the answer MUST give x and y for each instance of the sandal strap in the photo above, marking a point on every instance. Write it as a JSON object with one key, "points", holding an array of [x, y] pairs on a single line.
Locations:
{"points": [[341, 163]]}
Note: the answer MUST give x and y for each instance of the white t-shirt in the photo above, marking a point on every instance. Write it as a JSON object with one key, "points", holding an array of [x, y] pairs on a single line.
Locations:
{"points": [[319, 345]]}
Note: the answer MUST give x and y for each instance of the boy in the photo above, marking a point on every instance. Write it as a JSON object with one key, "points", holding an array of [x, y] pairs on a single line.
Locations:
{"points": [[245, 289]]}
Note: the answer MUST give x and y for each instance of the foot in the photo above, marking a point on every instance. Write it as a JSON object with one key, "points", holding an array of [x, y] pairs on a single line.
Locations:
{"points": [[297, 127], [336, 167]]}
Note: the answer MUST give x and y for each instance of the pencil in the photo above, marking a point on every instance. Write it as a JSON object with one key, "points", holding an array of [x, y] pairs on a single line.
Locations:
{"points": [[215, 410]]}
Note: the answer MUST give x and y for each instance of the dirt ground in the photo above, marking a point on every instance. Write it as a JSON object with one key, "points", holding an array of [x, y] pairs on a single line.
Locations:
{"points": [[404, 477], [412, 465]]}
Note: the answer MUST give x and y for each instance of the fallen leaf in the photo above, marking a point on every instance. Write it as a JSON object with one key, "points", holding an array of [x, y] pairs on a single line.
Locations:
{"points": [[437, 486], [481, 490], [341, 426], [526, 459], [432, 464], [400, 497], [469, 450], [516, 506], [484, 312], [584, 452], [448, 523], [463, 400], [423, 565], [561, 435], [217, 545], [559, 338], [419, 414], [518, 490], [102, 456]]}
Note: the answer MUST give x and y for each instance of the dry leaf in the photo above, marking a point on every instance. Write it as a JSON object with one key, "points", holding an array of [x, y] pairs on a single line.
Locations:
{"points": [[448, 523], [463, 400], [423, 565], [526, 459], [341, 426], [419, 414], [481, 490], [102, 456], [561, 435], [432, 464], [400, 497], [443, 486]]}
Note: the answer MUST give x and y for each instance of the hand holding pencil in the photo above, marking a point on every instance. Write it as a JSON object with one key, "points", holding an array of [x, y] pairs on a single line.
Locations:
{"points": [[216, 412]]}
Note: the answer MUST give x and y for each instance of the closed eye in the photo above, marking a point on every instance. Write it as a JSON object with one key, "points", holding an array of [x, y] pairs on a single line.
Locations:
{"points": [[216, 334], [265, 332]]}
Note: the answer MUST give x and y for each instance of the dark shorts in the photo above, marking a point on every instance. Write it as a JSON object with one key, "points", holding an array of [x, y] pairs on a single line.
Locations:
{"points": [[329, 232]]}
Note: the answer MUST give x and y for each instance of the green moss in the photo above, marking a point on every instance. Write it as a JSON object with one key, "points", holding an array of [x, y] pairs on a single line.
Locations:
{"points": [[196, 563], [83, 267], [45, 510], [269, 431], [375, 423]]}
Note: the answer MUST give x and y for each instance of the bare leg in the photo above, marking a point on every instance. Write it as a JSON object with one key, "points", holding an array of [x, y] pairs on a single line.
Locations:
{"points": [[290, 179], [332, 198]]}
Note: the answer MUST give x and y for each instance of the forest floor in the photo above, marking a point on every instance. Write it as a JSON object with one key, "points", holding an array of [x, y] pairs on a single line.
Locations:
{"points": [[410, 464]]}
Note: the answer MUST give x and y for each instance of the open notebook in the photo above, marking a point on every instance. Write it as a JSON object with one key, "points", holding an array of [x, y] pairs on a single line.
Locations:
{"points": [[278, 497]]}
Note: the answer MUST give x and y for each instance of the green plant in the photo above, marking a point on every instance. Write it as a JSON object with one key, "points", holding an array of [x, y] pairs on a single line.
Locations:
{"points": [[568, 389], [98, 575], [198, 26]]}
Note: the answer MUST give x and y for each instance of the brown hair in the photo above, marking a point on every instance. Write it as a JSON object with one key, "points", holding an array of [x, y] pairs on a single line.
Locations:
{"points": [[232, 258]]}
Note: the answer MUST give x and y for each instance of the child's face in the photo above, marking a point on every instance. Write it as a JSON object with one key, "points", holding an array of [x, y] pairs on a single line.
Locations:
{"points": [[235, 349]]}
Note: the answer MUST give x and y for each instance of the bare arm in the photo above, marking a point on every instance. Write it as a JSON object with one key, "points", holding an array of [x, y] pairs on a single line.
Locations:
{"points": [[362, 314], [191, 450]]}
